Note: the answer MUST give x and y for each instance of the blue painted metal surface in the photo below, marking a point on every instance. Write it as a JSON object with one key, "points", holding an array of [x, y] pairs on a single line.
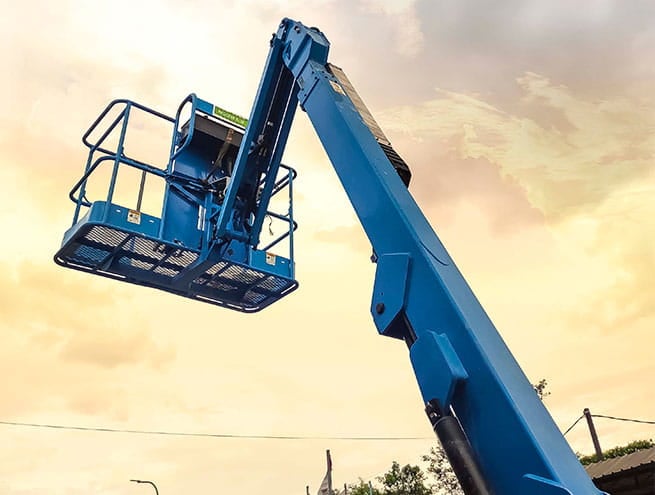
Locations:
{"points": [[460, 358], [181, 251]]}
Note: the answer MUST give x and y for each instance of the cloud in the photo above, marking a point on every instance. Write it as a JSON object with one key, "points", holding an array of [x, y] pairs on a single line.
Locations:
{"points": [[408, 39], [562, 169], [350, 236], [72, 343], [76, 318], [479, 46], [623, 232]]}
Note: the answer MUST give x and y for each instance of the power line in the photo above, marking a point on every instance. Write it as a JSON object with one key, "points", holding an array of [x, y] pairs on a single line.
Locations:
{"points": [[573, 425], [642, 421], [208, 435], [264, 437], [624, 419]]}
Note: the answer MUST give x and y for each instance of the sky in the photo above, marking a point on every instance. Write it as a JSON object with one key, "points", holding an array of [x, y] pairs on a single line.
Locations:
{"points": [[530, 130]]}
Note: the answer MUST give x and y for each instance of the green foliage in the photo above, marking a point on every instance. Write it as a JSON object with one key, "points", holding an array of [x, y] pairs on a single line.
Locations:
{"points": [[618, 451], [408, 480], [362, 488], [540, 388], [441, 475]]}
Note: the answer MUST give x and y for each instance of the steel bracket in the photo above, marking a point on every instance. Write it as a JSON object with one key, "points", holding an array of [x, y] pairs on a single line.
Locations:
{"points": [[389, 294], [437, 367]]}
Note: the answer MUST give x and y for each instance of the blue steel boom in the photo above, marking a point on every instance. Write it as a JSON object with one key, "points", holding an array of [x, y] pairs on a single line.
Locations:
{"points": [[498, 435]]}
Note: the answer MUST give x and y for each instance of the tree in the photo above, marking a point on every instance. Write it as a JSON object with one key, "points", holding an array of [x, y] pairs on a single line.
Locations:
{"points": [[362, 488], [408, 480], [443, 479], [540, 388], [617, 451]]}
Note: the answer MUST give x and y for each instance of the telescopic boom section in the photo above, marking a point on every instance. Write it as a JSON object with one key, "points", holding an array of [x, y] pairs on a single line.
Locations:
{"points": [[260, 155], [499, 436]]}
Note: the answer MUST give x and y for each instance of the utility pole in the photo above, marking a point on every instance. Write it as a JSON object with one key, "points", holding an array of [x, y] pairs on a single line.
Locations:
{"points": [[594, 435], [329, 473]]}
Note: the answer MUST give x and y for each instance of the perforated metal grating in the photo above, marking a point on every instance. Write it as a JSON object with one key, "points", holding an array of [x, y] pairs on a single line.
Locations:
{"points": [[134, 258], [239, 284], [112, 250]]}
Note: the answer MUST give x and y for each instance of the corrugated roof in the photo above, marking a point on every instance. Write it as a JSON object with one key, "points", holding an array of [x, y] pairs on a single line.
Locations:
{"points": [[623, 463]]}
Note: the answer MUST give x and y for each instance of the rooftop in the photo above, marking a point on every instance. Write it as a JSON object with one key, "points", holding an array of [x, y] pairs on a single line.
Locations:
{"points": [[631, 474]]}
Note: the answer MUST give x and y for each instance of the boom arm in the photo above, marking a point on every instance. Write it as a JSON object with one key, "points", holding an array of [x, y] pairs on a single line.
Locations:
{"points": [[466, 374]]}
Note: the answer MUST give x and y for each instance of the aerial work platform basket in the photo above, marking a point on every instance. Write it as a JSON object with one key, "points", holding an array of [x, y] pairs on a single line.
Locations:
{"points": [[183, 251]]}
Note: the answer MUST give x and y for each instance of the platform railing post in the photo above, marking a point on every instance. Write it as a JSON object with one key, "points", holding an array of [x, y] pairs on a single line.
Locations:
{"points": [[89, 160], [293, 268], [82, 193], [142, 185], [117, 160]]}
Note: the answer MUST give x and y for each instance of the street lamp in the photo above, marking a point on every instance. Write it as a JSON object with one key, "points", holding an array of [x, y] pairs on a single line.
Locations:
{"points": [[148, 482]]}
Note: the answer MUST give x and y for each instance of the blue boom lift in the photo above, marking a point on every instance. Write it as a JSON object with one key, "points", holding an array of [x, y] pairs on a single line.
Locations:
{"points": [[220, 178]]}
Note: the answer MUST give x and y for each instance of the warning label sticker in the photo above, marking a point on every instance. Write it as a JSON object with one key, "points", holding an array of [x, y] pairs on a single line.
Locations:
{"points": [[232, 117], [270, 258], [134, 216]]}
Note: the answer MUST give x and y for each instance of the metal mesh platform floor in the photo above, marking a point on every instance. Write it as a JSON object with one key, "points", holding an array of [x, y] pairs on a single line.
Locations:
{"points": [[124, 255]]}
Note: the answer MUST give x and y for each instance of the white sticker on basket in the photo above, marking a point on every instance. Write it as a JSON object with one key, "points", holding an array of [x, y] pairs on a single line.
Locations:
{"points": [[134, 216]]}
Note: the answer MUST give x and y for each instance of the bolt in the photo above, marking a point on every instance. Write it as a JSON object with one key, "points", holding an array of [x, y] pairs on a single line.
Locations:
{"points": [[379, 308]]}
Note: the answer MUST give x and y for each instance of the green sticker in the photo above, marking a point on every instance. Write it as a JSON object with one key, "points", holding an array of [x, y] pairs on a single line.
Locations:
{"points": [[232, 117]]}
